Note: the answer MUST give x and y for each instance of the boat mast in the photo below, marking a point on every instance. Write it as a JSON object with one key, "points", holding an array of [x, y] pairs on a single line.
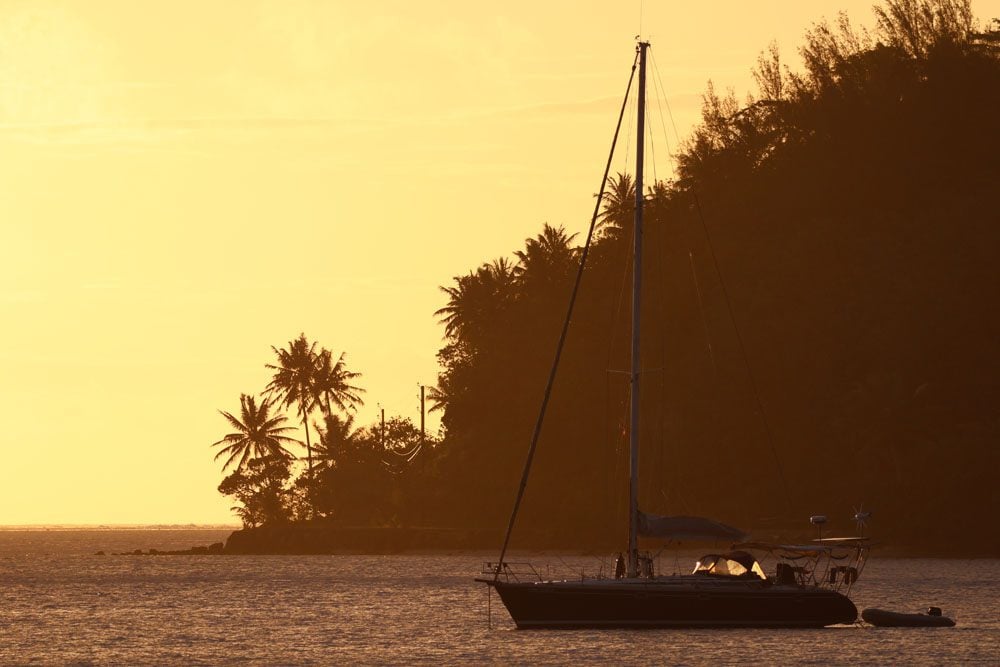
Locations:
{"points": [[633, 486]]}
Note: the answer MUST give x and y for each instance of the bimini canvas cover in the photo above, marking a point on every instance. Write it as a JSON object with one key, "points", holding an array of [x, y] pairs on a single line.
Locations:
{"points": [[732, 564], [687, 528]]}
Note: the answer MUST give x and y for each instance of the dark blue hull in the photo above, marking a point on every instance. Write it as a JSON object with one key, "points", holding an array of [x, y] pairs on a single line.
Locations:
{"points": [[672, 602]]}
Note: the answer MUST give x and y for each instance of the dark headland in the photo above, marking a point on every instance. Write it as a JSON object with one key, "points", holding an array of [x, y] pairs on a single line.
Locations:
{"points": [[821, 333]]}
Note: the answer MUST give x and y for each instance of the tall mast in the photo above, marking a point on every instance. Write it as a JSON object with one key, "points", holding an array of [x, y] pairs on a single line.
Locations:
{"points": [[633, 485]]}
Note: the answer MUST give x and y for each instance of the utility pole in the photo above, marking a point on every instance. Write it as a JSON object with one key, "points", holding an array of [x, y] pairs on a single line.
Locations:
{"points": [[423, 434], [383, 428]]}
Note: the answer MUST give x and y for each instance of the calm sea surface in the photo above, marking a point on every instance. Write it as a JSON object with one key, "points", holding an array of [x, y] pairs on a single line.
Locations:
{"points": [[59, 603]]}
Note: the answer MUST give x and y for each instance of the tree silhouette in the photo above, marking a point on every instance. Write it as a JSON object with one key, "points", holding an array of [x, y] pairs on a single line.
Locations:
{"points": [[548, 258], [834, 240], [332, 383], [336, 437], [258, 434], [919, 27], [475, 301], [439, 395], [846, 215], [260, 490], [618, 205], [294, 381]]}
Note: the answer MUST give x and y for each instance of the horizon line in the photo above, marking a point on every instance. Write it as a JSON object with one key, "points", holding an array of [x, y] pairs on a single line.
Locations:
{"points": [[118, 526]]}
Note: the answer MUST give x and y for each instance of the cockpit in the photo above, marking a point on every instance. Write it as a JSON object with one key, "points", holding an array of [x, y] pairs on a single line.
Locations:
{"points": [[732, 564]]}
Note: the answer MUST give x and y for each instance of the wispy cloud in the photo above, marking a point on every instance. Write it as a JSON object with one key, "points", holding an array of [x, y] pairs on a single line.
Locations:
{"points": [[154, 129], [148, 131], [20, 296]]}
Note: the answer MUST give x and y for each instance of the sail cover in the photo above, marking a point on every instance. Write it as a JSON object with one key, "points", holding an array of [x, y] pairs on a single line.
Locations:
{"points": [[687, 528]]}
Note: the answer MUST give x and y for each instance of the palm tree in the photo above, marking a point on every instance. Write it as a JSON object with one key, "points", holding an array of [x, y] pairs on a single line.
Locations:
{"points": [[258, 434], [475, 299], [294, 379], [619, 205], [547, 257], [335, 437], [440, 395], [332, 382], [657, 198]]}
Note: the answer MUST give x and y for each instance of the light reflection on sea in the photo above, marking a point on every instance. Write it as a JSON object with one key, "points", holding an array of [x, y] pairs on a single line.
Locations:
{"points": [[61, 604]]}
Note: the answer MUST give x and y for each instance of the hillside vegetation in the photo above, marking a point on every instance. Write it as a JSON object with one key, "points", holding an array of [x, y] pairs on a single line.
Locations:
{"points": [[820, 315], [820, 331]]}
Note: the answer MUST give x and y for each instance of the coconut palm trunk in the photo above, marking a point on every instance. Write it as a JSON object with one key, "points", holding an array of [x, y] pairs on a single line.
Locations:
{"points": [[309, 453]]}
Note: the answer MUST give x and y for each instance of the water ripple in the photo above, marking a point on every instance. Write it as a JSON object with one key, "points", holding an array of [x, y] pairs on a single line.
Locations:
{"points": [[75, 608]]}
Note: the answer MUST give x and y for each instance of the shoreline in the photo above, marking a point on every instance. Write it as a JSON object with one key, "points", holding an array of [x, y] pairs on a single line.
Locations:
{"points": [[321, 538]]}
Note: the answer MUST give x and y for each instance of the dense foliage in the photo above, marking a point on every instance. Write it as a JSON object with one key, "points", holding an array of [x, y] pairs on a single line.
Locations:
{"points": [[828, 247], [819, 326], [354, 476]]}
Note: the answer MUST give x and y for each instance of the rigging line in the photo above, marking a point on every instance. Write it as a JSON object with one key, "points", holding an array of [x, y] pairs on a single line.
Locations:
{"points": [[565, 328], [743, 352], [652, 145], [628, 135], [661, 417], [670, 111], [661, 100], [658, 93], [704, 320], [618, 437], [619, 303], [662, 228], [732, 316], [662, 93]]}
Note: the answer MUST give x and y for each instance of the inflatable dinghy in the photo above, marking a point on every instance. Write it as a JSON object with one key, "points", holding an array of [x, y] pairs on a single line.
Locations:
{"points": [[894, 619]]}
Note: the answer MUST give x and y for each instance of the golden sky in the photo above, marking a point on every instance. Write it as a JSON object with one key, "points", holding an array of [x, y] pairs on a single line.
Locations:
{"points": [[184, 184]]}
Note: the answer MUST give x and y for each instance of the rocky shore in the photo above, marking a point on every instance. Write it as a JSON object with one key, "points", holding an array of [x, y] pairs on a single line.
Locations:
{"points": [[216, 548]]}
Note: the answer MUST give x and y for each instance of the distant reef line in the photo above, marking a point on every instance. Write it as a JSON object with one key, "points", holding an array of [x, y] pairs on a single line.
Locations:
{"points": [[112, 526]]}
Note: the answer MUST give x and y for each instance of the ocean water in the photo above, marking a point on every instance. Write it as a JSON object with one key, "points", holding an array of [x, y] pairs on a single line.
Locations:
{"points": [[61, 604]]}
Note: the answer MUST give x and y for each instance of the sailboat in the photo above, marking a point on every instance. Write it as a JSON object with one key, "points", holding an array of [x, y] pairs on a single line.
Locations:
{"points": [[810, 582]]}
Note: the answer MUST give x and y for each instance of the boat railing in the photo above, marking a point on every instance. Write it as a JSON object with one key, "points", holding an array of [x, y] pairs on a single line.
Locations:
{"points": [[834, 564], [561, 571], [516, 571]]}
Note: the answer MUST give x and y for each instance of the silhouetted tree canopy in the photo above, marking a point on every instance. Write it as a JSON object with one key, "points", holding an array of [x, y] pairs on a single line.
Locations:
{"points": [[258, 434], [383, 474], [260, 488], [849, 212], [819, 325]]}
